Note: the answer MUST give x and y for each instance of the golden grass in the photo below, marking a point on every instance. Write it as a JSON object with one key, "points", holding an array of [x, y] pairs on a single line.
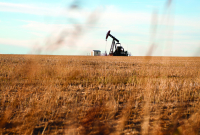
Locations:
{"points": [[99, 95]]}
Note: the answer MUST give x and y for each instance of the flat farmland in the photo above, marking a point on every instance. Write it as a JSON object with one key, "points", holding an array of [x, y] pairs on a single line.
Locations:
{"points": [[99, 95]]}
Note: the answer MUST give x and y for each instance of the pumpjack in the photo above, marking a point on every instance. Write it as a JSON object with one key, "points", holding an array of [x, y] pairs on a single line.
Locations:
{"points": [[116, 49]]}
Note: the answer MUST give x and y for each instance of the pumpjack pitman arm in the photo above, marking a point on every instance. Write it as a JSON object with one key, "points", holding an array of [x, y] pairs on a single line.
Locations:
{"points": [[108, 34]]}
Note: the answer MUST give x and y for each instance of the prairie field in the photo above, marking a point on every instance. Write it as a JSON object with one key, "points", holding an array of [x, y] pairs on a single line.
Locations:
{"points": [[85, 95]]}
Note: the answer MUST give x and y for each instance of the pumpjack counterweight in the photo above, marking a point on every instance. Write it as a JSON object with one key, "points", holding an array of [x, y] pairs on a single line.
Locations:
{"points": [[114, 49]]}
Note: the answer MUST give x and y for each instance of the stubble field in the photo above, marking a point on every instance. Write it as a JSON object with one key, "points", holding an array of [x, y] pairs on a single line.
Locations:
{"points": [[99, 95]]}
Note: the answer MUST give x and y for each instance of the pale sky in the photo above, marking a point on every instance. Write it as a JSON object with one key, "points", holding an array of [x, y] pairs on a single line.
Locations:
{"points": [[69, 27]]}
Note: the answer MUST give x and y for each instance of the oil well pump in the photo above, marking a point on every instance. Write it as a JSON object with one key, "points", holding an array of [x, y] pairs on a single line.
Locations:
{"points": [[116, 49]]}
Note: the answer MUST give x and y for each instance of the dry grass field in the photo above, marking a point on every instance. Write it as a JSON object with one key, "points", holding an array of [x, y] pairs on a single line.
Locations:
{"points": [[75, 95]]}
